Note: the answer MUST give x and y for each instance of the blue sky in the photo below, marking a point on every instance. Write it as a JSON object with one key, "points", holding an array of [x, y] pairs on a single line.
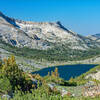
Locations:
{"points": [[81, 16]]}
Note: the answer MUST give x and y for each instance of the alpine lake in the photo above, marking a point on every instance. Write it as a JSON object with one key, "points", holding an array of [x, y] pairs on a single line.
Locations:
{"points": [[66, 71]]}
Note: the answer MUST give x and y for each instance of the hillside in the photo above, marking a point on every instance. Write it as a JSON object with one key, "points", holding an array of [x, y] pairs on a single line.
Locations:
{"points": [[43, 44]]}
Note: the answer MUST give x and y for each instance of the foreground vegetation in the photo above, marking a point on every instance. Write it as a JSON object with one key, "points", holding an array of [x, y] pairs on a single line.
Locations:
{"points": [[24, 86]]}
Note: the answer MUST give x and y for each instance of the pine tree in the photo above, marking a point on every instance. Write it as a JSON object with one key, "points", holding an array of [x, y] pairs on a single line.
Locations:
{"points": [[12, 72]]}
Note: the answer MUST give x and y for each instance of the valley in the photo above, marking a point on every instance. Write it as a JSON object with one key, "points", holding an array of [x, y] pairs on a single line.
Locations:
{"points": [[46, 60]]}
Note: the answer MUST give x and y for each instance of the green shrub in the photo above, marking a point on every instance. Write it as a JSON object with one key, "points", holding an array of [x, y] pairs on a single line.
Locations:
{"points": [[16, 76], [5, 86]]}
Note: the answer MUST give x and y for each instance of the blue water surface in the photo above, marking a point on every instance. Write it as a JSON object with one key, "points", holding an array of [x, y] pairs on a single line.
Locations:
{"points": [[66, 71]]}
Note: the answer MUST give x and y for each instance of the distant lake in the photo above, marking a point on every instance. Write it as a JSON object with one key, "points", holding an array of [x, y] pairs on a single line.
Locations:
{"points": [[67, 71]]}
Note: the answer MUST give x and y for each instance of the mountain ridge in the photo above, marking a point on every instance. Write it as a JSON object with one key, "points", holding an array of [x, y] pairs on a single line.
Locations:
{"points": [[95, 37], [39, 35]]}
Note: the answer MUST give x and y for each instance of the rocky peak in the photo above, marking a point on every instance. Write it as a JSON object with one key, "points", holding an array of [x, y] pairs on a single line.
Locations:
{"points": [[95, 37], [61, 26], [8, 20], [39, 35]]}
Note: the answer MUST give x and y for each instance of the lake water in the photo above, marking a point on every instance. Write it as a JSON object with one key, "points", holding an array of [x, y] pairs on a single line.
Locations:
{"points": [[66, 71]]}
